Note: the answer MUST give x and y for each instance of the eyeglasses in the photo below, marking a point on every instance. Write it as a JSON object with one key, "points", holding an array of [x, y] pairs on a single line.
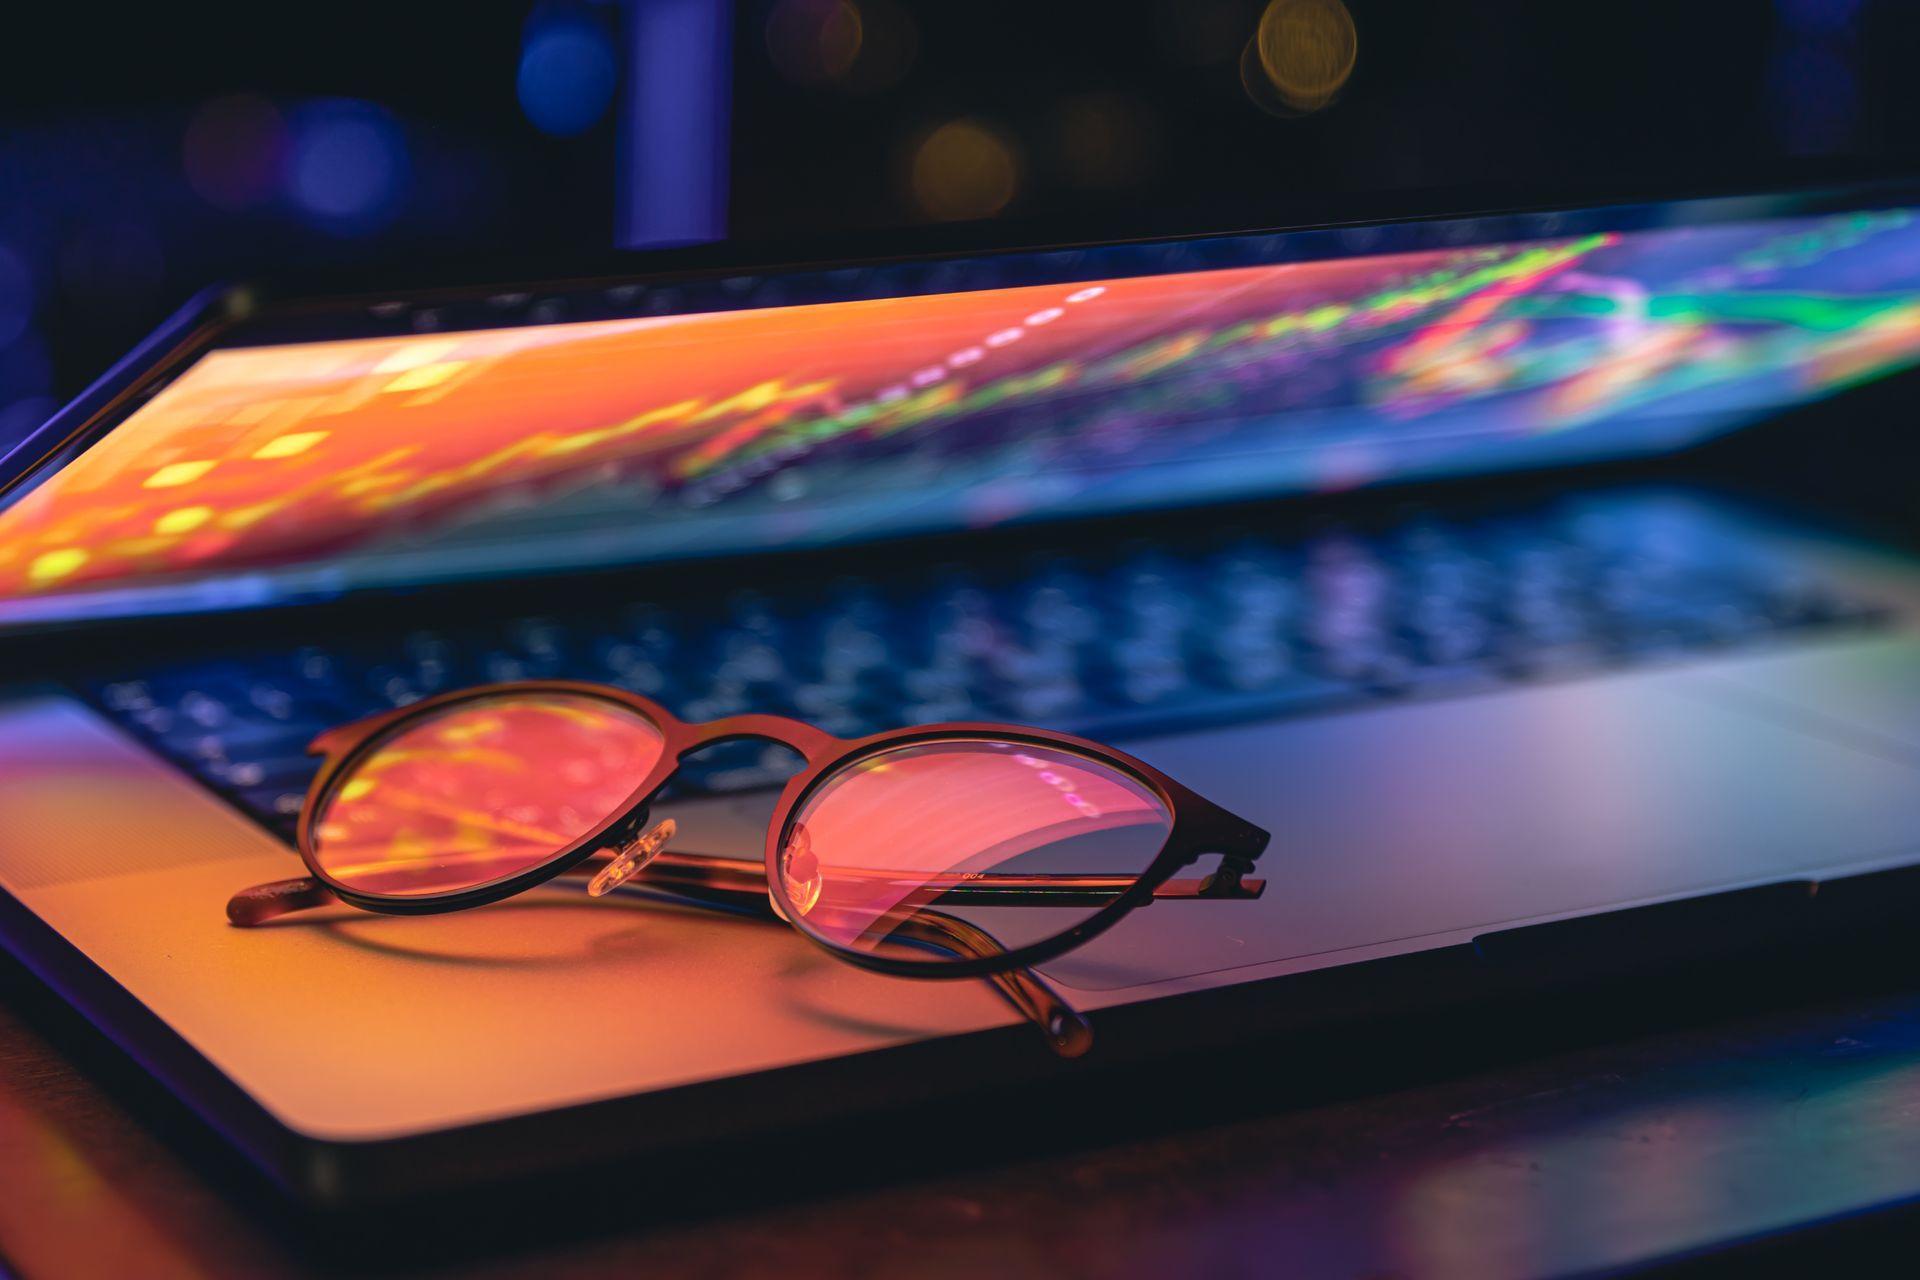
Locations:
{"points": [[941, 851]]}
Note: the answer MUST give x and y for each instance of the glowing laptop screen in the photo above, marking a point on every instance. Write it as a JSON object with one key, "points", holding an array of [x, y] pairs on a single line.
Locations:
{"points": [[269, 473]]}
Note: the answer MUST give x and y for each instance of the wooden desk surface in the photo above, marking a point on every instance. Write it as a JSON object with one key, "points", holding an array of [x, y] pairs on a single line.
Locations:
{"points": [[1543, 1155]]}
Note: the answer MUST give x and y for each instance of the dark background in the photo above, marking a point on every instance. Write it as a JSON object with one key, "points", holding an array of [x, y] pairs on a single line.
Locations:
{"points": [[148, 152]]}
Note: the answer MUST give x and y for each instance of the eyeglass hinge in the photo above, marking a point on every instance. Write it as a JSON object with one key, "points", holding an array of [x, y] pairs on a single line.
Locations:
{"points": [[1224, 880]]}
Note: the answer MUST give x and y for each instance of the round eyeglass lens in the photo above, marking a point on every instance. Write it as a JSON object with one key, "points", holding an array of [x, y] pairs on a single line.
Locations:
{"points": [[481, 790], [965, 848]]}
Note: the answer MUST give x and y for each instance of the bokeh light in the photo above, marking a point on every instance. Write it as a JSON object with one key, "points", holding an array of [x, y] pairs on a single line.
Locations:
{"points": [[814, 42], [1305, 51], [567, 73], [1819, 17], [855, 46], [234, 151], [347, 168], [964, 169]]}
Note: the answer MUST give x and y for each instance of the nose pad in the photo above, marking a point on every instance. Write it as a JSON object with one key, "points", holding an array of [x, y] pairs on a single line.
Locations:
{"points": [[800, 870], [632, 860]]}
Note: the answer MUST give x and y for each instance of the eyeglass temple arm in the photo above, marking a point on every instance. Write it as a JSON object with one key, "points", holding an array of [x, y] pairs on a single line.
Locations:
{"points": [[264, 902], [976, 888], [1067, 1031], [733, 881], [739, 882]]}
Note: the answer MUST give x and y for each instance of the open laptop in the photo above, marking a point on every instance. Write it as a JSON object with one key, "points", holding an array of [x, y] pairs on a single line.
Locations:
{"points": [[1243, 505]]}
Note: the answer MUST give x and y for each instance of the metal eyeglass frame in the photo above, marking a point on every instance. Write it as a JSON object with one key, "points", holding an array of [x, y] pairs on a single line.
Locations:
{"points": [[1197, 827]]}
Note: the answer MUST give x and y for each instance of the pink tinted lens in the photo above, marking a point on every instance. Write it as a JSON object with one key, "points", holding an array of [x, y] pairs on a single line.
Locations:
{"points": [[480, 791], [942, 850]]}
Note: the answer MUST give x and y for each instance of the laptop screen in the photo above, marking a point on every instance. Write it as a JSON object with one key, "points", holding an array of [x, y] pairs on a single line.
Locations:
{"points": [[279, 472]]}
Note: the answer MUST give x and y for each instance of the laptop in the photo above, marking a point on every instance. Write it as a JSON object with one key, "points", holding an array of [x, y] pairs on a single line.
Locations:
{"points": [[1393, 539]]}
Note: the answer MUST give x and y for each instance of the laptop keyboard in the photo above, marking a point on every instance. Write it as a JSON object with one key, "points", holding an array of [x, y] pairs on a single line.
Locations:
{"points": [[1130, 641]]}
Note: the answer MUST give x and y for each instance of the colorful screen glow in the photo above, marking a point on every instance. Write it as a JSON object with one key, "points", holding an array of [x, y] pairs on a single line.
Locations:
{"points": [[486, 789], [329, 465]]}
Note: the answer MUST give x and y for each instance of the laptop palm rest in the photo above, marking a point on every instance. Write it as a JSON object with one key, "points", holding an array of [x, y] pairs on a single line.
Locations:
{"points": [[1421, 825]]}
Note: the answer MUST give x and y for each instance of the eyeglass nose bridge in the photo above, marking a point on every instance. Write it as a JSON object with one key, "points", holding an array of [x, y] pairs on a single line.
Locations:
{"points": [[632, 858], [810, 742]]}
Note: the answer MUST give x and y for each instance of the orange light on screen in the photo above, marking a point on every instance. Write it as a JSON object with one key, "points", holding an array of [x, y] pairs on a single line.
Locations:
{"points": [[265, 456], [482, 790]]}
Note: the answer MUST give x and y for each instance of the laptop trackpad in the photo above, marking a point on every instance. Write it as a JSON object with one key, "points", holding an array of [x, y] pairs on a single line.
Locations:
{"points": [[1457, 817], [1867, 692]]}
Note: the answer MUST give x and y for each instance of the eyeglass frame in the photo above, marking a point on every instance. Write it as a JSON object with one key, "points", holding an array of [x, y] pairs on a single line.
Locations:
{"points": [[1196, 826]]}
